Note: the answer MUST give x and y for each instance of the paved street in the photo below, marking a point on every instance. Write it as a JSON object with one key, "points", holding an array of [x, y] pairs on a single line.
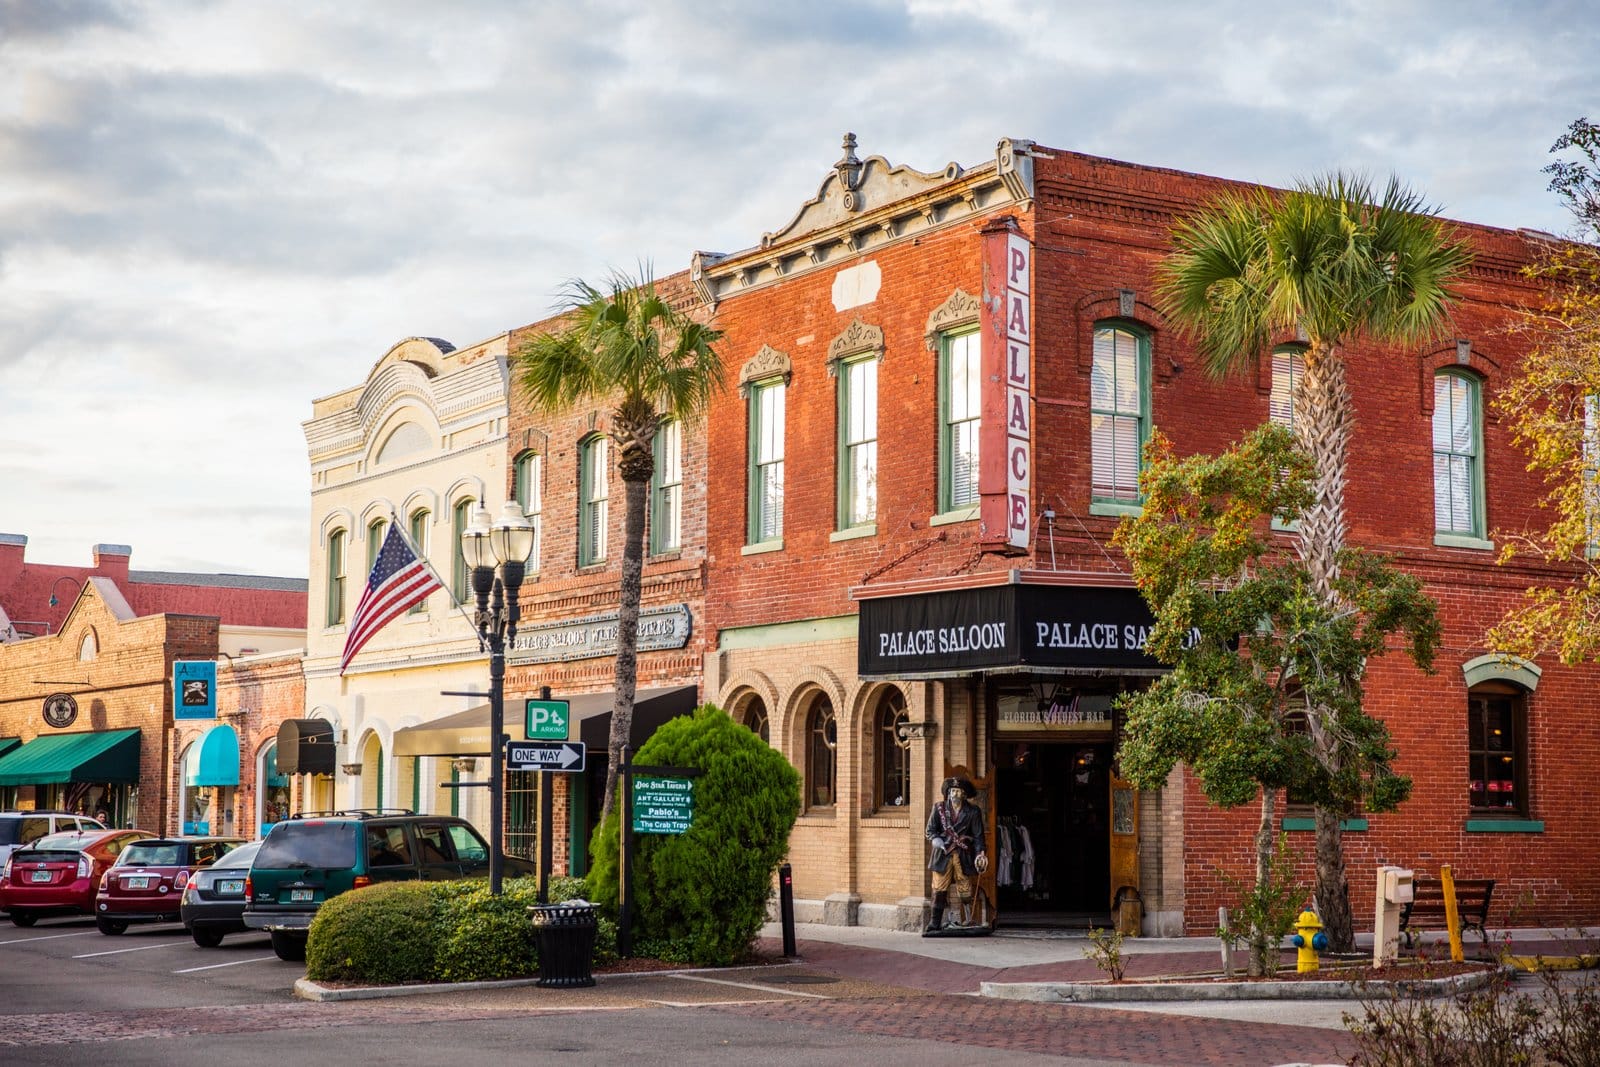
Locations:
{"points": [[70, 995]]}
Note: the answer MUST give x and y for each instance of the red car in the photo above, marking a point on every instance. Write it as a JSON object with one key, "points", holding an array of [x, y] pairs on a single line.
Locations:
{"points": [[59, 873], [146, 883]]}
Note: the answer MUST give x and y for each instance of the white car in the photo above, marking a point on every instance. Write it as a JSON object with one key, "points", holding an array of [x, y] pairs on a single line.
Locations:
{"points": [[19, 828]]}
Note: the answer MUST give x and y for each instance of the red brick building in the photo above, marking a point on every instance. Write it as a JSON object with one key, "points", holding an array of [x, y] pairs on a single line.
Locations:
{"points": [[944, 380], [86, 690]]}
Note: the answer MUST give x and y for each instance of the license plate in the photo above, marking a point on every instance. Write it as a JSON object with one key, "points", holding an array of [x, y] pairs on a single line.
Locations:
{"points": [[300, 896], [41, 876], [141, 881], [232, 888]]}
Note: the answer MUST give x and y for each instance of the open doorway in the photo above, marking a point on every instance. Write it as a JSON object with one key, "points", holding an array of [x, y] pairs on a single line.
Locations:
{"points": [[1053, 808]]}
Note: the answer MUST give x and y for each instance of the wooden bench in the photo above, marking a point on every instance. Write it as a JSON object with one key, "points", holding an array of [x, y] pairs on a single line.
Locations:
{"points": [[1427, 906]]}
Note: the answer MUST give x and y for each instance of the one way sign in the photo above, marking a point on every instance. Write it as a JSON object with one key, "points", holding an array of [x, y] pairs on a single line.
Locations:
{"points": [[533, 756]]}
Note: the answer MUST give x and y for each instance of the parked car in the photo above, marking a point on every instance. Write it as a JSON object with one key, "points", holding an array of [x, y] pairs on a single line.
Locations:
{"points": [[58, 874], [18, 828], [146, 883], [213, 902], [308, 858]]}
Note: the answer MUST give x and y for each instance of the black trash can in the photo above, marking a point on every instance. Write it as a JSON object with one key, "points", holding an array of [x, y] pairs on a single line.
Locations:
{"points": [[565, 934]]}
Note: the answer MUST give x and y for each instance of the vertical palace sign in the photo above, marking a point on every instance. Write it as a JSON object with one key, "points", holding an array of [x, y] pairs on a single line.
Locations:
{"points": [[1005, 448]]}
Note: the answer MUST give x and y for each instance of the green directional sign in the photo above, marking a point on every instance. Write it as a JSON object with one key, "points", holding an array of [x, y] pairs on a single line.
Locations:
{"points": [[548, 720], [662, 805]]}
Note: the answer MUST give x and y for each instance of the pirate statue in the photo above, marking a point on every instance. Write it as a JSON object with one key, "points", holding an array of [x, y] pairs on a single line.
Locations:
{"points": [[955, 829]]}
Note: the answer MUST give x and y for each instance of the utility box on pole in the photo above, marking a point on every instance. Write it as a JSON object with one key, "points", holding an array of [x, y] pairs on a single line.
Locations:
{"points": [[1394, 891]]}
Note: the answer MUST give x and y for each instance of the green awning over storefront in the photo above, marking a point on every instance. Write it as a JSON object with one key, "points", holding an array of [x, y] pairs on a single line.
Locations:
{"points": [[9, 743], [54, 759]]}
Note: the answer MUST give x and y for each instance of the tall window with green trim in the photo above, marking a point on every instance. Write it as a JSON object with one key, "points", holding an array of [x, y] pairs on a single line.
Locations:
{"points": [[375, 534], [666, 489], [765, 505], [1497, 761], [1457, 455], [527, 486], [960, 406], [417, 528], [594, 492], [460, 578], [858, 442], [335, 614], [1288, 367], [1119, 411]]}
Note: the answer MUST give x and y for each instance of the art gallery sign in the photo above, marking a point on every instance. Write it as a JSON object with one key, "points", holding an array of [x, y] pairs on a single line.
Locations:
{"points": [[596, 635], [1013, 625]]}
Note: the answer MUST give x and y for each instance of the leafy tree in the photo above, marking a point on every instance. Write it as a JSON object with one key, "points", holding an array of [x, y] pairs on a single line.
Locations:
{"points": [[1253, 646], [1551, 407], [1334, 263], [625, 345], [701, 896]]}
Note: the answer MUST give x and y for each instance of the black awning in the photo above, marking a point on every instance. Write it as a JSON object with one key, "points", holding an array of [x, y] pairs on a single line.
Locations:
{"points": [[305, 746], [651, 708]]}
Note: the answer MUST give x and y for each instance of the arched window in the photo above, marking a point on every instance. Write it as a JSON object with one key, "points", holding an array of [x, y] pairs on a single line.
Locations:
{"points": [[408, 441], [1457, 456], [460, 580], [822, 743], [88, 648], [894, 754], [527, 485], [593, 497], [335, 578], [376, 530], [666, 489], [417, 527], [1119, 411], [754, 718]]}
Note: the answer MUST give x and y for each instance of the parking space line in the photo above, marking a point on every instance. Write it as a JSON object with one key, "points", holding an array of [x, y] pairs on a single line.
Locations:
{"points": [[751, 985], [47, 937], [120, 951], [230, 963]]}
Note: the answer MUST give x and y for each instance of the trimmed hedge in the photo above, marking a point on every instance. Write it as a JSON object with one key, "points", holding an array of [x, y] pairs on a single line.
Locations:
{"points": [[700, 897], [397, 932]]}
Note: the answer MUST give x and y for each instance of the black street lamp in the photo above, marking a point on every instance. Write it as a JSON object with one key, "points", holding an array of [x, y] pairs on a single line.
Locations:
{"points": [[507, 541]]}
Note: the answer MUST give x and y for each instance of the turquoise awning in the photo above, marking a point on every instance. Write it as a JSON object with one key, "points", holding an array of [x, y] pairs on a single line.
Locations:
{"points": [[56, 759], [219, 759]]}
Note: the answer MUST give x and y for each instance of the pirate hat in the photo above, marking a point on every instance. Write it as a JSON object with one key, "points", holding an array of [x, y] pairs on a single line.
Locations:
{"points": [[965, 785]]}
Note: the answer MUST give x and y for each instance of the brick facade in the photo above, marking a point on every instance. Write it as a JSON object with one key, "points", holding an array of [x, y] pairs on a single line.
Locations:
{"points": [[1098, 227]]}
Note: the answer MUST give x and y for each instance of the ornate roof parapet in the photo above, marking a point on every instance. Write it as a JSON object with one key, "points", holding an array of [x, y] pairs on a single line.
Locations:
{"points": [[863, 205]]}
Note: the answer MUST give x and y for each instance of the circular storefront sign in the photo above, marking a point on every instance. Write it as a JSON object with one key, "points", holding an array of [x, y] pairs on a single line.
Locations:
{"points": [[60, 710]]}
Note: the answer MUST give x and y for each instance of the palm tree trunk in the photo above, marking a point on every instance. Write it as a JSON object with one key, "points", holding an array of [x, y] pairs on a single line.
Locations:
{"points": [[1322, 418], [635, 494]]}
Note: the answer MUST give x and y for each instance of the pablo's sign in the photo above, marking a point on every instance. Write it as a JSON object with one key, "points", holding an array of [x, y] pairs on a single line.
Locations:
{"points": [[1005, 626]]}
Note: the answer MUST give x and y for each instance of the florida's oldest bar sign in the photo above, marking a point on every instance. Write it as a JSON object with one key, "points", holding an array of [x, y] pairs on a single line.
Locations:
{"points": [[1005, 448]]}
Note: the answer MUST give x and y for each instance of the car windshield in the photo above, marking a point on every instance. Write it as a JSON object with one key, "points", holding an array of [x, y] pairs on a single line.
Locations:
{"points": [[238, 858], [143, 854], [302, 845]]}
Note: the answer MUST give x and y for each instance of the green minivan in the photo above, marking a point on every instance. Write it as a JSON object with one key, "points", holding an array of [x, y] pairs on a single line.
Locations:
{"points": [[311, 856]]}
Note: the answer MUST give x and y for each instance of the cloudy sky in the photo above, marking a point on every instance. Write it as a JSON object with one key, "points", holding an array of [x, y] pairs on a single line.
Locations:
{"points": [[212, 213]]}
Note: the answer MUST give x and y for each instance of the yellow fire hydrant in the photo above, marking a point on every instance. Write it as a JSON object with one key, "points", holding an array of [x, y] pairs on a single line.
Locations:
{"points": [[1310, 940]]}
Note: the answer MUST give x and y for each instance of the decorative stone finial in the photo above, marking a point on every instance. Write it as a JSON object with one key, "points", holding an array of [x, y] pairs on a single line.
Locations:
{"points": [[849, 170]]}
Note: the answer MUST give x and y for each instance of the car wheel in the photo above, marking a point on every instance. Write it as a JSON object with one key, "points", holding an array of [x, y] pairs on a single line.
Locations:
{"points": [[287, 946], [23, 918], [111, 926], [207, 938]]}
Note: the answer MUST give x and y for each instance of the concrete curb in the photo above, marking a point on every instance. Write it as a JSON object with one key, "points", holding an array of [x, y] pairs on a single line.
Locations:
{"points": [[306, 989], [1149, 992]]}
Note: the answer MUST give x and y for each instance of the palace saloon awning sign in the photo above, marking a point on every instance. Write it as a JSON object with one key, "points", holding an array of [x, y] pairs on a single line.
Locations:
{"points": [[956, 632]]}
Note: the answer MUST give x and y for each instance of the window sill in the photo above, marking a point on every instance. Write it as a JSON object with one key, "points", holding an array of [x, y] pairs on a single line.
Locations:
{"points": [[1456, 540], [1296, 822], [764, 546], [888, 818], [1505, 826], [947, 518], [666, 556], [869, 530], [816, 815], [1116, 507]]}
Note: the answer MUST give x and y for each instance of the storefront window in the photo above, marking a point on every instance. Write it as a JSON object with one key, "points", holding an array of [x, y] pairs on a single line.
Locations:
{"points": [[821, 762], [894, 754], [755, 718], [195, 814], [274, 790]]}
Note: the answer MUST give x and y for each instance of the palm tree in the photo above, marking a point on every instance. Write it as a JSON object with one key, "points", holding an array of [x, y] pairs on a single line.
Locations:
{"points": [[1332, 264], [628, 346]]}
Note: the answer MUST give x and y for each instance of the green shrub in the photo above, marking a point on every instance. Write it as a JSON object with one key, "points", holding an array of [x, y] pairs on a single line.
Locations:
{"points": [[700, 897], [483, 937], [384, 934]]}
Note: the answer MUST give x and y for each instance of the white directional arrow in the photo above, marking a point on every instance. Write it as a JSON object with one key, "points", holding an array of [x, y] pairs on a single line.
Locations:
{"points": [[546, 756]]}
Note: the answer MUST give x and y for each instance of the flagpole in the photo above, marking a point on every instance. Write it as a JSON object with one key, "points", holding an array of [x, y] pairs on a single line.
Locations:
{"points": [[416, 550]]}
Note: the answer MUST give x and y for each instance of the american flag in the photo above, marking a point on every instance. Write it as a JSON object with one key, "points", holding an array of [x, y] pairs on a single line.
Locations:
{"points": [[398, 580]]}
